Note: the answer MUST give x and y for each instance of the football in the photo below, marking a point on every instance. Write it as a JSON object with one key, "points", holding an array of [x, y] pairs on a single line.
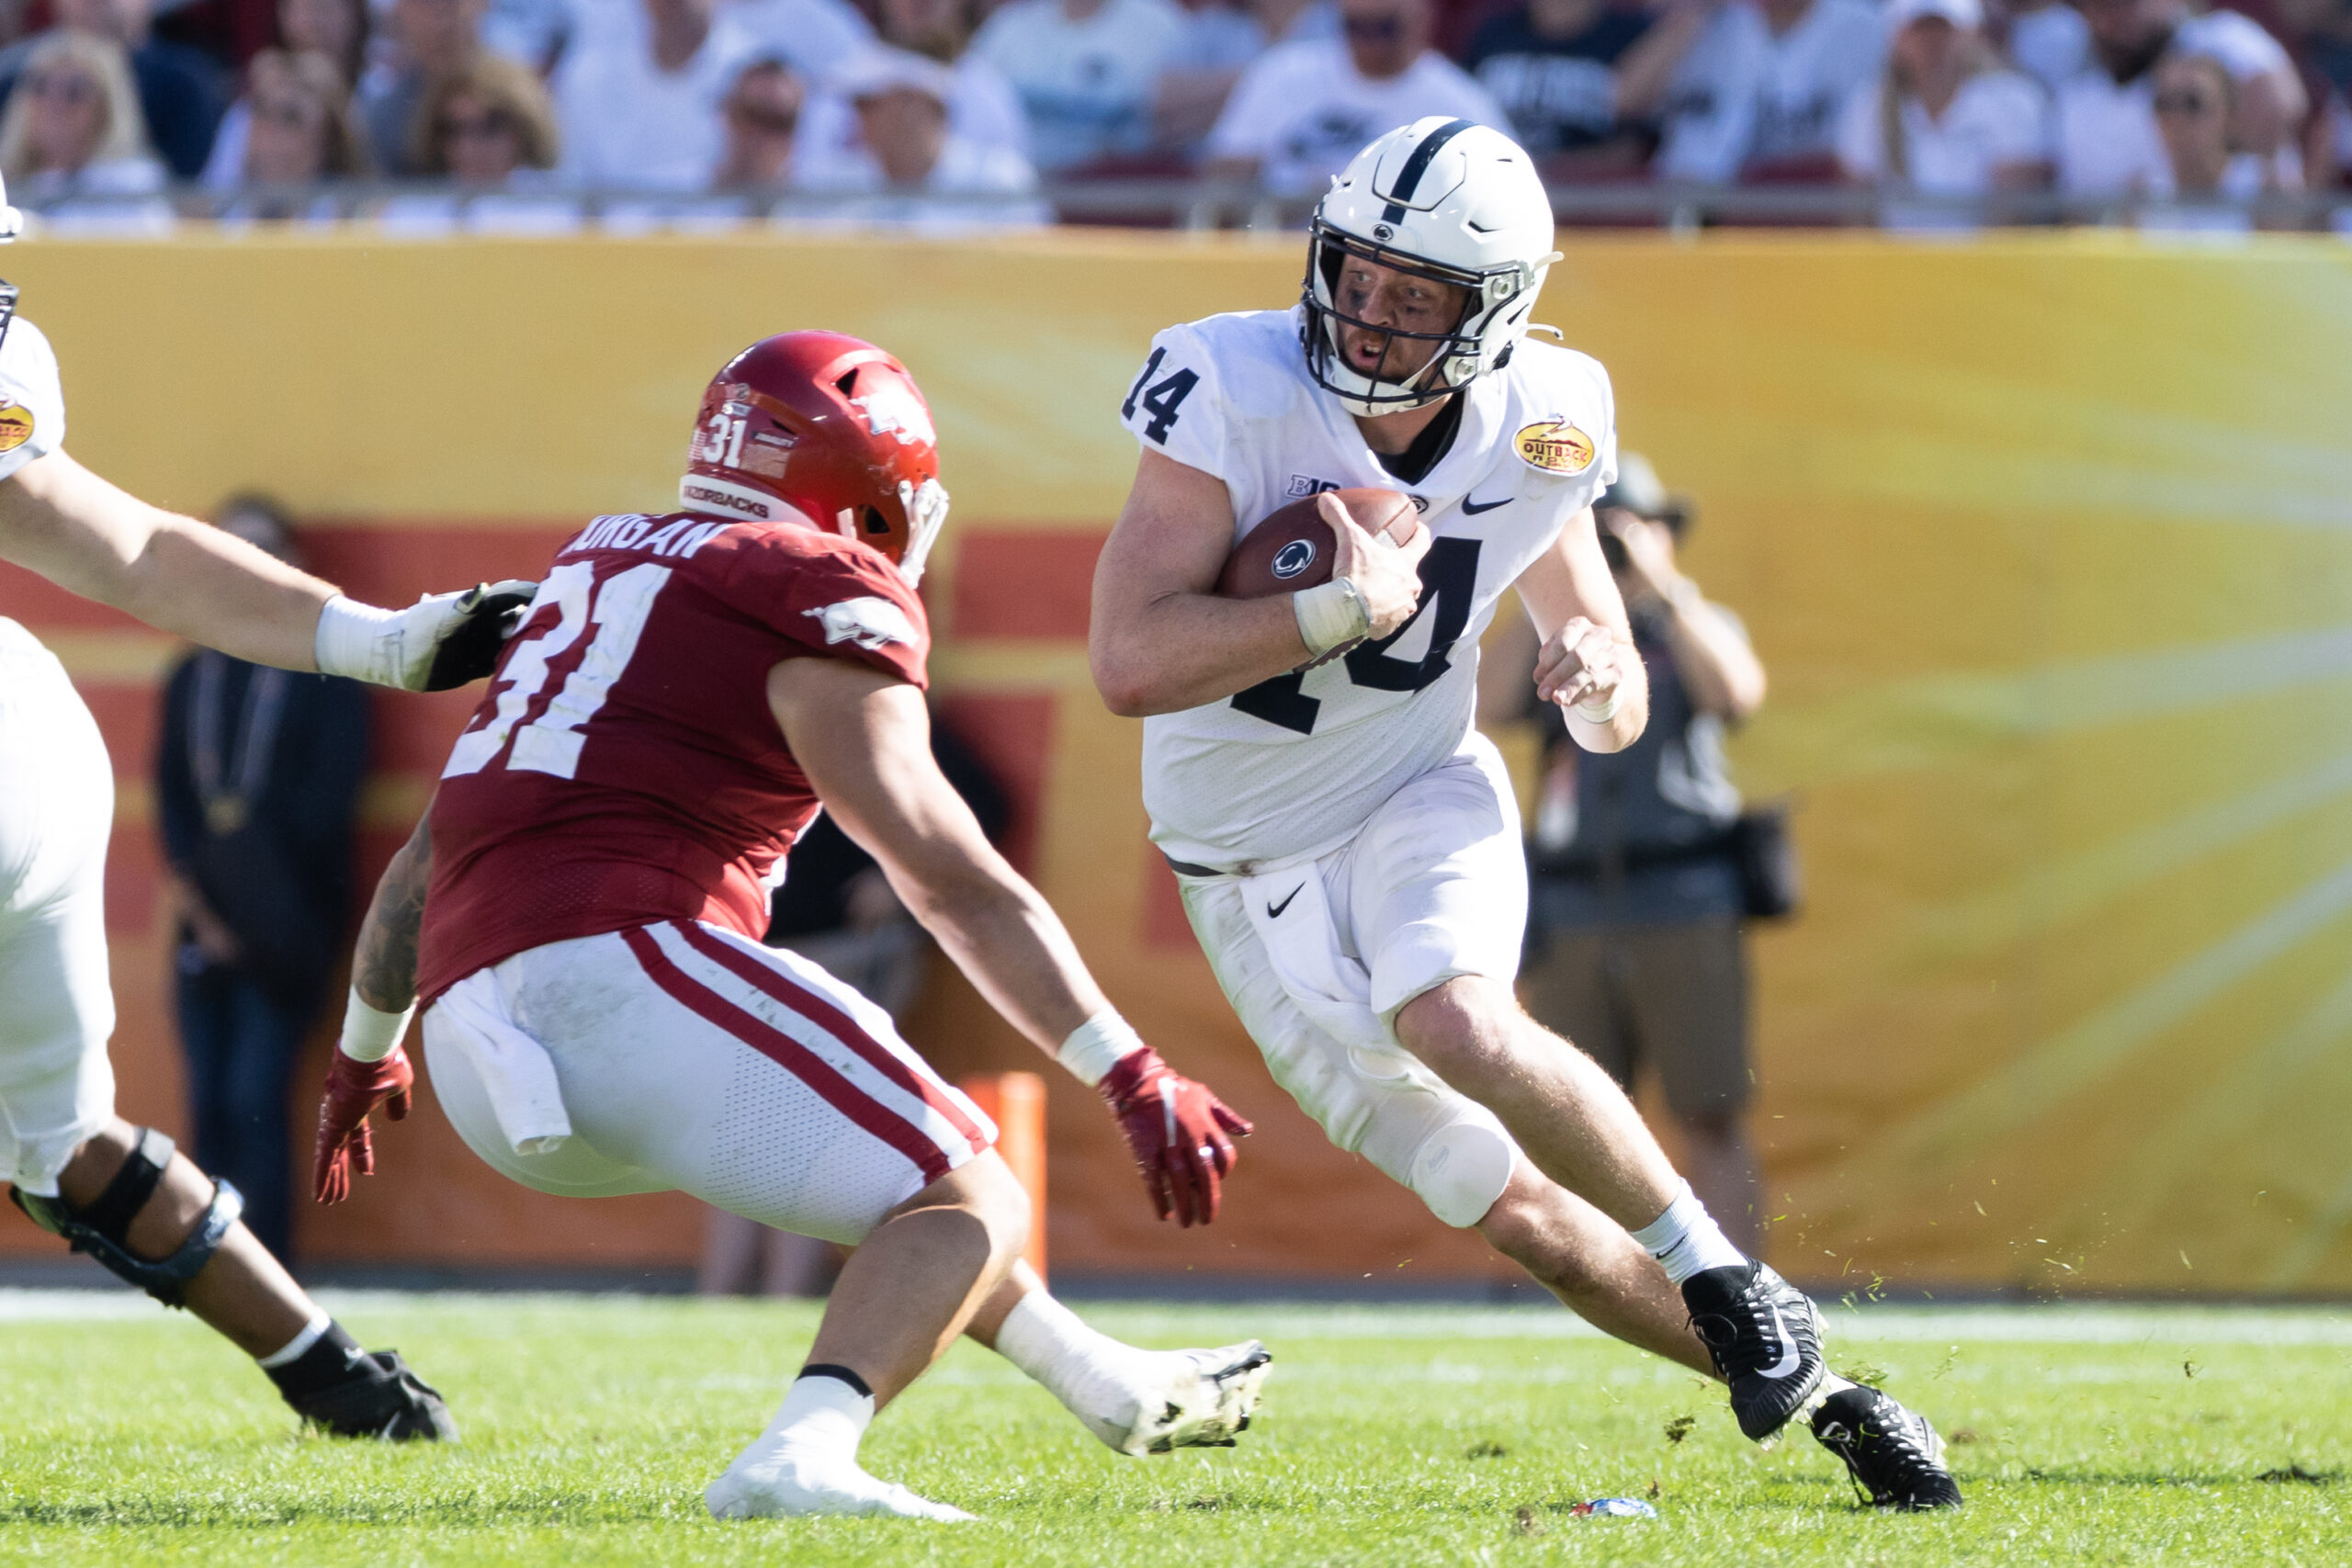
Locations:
{"points": [[1292, 548]]}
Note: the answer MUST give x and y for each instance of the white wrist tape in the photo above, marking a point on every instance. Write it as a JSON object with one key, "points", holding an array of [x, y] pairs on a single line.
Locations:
{"points": [[1331, 615], [369, 1033], [1602, 713], [358, 640], [1097, 1046]]}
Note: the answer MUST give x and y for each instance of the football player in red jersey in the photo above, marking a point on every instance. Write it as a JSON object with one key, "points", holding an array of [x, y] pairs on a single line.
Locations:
{"points": [[580, 914]]}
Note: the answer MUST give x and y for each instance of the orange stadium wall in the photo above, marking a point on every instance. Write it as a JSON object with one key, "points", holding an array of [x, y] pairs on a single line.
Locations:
{"points": [[2047, 544]]}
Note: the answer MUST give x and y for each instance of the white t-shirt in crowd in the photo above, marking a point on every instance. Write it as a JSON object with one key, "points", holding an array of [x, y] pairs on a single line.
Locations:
{"points": [[1303, 110], [2107, 141], [1995, 117], [627, 123], [964, 168], [2050, 43], [1744, 93], [815, 36], [829, 150], [2242, 180], [1086, 85]]}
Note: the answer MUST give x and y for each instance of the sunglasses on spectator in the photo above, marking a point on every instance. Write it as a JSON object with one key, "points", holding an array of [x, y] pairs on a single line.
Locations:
{"points": [[1376, 30], [762, 116], [2186, 103], [476, 127], [70, 85], [291, 112]]}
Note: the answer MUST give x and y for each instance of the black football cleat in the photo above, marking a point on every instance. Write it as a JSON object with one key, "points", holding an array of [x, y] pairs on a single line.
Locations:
{"points": [[381, 1398], [1765, 1339], [1892, 1455]]}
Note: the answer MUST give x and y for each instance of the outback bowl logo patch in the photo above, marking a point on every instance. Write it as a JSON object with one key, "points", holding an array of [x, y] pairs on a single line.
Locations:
{"points": [[1294, 558], [1555, 447], [868, 622], [15, 427]]}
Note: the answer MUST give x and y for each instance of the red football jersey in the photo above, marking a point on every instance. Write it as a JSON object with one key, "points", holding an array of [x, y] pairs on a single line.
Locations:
{"points": [[624, 767]]}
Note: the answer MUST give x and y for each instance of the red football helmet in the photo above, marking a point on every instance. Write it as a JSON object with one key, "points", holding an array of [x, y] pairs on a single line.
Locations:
{"points": [[820, 428]]}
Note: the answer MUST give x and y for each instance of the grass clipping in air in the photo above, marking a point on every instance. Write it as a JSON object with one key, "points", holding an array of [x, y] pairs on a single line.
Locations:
{"points": [[1389, 1436]]}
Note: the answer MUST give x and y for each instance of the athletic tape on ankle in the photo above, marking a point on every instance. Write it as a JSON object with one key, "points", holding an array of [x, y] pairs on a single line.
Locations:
{"points": [[369, 1033], [310, 1333], [1097, 1046]]}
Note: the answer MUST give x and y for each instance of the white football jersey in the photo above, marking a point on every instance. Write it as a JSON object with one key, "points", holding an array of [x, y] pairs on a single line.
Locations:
{"points": [[1292, 767], [32, 405]]}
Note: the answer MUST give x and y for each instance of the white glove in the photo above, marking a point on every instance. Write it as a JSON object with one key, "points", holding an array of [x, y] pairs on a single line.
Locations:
{"points": [[442, 640]]}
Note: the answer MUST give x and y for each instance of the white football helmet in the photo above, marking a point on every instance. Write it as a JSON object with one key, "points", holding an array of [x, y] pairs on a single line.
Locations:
{"points": [[1445, 199]]}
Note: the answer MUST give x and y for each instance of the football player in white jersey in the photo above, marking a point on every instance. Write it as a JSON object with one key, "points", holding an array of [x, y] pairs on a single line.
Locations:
{"points": [[1348, 846], [113, 1191]]}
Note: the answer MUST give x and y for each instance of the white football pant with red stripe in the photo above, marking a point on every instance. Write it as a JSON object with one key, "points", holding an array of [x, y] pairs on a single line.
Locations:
{"points": [[692, 1058]]}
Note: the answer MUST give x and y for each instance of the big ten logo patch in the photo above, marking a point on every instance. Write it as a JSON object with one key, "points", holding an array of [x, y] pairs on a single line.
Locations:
{"points": [[1302, 485]]}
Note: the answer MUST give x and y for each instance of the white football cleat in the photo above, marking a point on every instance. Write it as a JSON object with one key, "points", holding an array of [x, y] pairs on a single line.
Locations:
{"points": [[1189, 1399], [775, 1482]]}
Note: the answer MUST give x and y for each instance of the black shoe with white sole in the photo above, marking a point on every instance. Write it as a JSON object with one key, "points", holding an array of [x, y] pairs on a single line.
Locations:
{"points": [[1765, 1339], [1893, 1456]]}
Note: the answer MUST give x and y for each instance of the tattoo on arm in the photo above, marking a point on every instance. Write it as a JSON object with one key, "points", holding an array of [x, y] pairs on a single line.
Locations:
{"points": [[383, 970]]}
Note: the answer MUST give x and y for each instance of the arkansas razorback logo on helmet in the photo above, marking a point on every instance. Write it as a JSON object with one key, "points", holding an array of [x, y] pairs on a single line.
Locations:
{"points": [[823, 429]]}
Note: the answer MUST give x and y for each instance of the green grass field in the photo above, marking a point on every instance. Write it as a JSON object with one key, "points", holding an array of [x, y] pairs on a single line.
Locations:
{"points": [[1393, 1435]]}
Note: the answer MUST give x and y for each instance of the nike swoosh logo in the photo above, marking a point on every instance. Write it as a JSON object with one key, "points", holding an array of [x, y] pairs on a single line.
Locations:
{"points": [[1471, 508], [1789, 1357], [1275, 911]]}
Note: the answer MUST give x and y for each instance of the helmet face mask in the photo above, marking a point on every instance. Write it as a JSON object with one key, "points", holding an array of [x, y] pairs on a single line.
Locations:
{"points": [[824, 430], [1446, 201]]}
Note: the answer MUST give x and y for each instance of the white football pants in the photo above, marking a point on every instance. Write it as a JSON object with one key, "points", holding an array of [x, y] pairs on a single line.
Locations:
{"points": [[1318, 958], [689, 1057], [56, 1011]]}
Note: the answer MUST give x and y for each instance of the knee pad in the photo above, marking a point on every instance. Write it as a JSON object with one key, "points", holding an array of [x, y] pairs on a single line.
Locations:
{"points": [[98, 1229], [1460, 1170]]}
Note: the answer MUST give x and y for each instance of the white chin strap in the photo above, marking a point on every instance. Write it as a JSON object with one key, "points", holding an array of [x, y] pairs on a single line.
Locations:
{"points": [[926, 509]]}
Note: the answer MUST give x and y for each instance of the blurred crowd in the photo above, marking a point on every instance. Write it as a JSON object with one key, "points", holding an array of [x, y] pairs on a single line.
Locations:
{"points": [[939, 113]]}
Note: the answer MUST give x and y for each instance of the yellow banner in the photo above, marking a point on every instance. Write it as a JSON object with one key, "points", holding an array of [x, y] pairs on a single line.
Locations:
{"points": [[2046, 545]]}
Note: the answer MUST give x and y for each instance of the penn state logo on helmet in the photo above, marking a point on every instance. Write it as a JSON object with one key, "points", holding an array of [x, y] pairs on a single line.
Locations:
{"points": [[1447, 200]]}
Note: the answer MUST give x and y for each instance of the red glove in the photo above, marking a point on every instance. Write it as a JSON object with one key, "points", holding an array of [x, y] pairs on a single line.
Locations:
{"points": [[354, 1088], [1181, 1135]]}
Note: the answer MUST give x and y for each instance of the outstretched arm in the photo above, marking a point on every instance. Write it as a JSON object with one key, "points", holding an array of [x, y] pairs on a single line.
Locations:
{"points": [[179, 575], [863, 739], [383, 967], [369, 1068]]}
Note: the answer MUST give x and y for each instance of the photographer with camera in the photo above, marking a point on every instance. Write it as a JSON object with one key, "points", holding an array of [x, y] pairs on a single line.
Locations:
{"points": [[1641, 864]]}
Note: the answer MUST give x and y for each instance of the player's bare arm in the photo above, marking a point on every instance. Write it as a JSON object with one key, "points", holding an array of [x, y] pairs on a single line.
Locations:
{"points": [[1587, 664], [863, 739], [179, 575], [383, 964], [1162, 641]]}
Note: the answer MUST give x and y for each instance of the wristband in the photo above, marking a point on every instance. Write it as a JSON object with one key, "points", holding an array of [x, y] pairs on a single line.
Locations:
{"points": [[1331, 615], [369, 1033], [358, 640], [1097, 1046], [1602, 713]]}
